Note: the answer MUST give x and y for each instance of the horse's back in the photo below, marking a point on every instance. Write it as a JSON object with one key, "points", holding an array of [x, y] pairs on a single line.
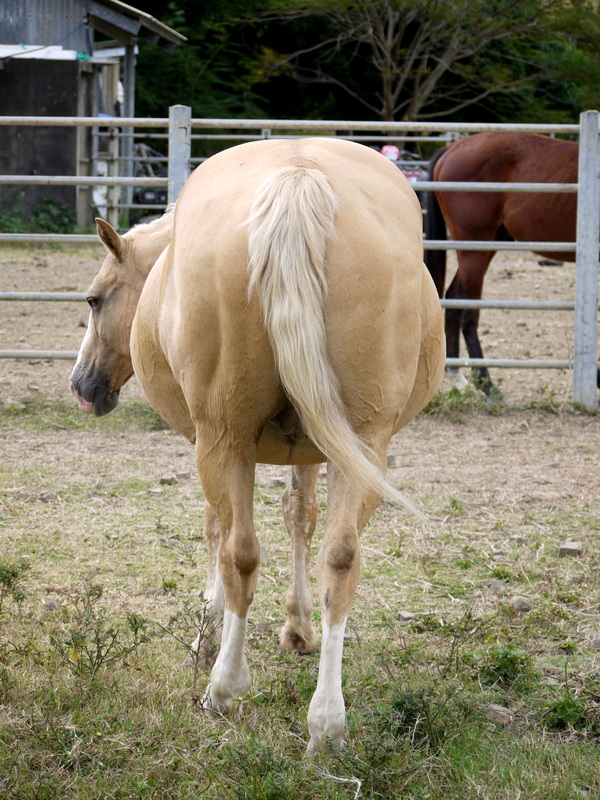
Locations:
{"points": [[510, 157], [507, 156]]}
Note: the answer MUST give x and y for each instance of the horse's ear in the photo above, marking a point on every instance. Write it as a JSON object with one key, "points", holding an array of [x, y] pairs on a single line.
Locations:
{"points": [[110, 238]]}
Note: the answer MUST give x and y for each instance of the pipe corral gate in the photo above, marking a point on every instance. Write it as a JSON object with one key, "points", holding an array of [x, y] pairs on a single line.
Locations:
{"points": [[178, 129]]}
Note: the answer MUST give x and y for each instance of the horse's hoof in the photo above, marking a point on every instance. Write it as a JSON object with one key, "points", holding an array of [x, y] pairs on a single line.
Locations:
{"points": [[294, 642]]}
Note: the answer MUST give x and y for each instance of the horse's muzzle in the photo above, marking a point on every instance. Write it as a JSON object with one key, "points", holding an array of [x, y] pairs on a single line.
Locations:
{"points": [[98, 398]]}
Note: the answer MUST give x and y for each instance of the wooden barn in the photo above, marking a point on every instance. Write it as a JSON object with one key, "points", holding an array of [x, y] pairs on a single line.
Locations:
{"points": [[66, 58]]}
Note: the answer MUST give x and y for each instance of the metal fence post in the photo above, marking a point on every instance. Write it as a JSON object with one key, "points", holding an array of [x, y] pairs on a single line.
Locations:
{"points": [[180, 132], [585, 354], [113, 191]]}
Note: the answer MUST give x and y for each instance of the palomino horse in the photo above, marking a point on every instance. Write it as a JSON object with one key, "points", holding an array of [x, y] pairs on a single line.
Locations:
{"points": [[535, 217], [281, 314]]}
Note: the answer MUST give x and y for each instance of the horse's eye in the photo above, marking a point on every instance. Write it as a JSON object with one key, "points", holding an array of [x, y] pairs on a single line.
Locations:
{"points": [[93, 302]]}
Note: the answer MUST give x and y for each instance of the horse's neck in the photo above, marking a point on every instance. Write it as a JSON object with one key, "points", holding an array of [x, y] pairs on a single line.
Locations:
{"points": [[149, 246]]}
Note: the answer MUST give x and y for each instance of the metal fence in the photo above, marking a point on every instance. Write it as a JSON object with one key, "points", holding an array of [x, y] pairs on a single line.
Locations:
{"points": [[180, 130]]}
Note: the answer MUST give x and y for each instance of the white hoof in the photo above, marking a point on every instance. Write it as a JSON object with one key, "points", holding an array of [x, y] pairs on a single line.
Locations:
{"points": [[457, 379]]}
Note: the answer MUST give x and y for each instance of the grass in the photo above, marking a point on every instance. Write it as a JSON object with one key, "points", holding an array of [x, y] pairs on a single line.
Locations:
{"points": [[40, 413], [99, 579]]}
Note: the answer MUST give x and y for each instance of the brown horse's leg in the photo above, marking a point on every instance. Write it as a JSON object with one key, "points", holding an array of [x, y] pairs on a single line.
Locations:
{"points": [[452, 321], [299, 503], [207, 642], [338, 567], [473, 265], [227, 475]]}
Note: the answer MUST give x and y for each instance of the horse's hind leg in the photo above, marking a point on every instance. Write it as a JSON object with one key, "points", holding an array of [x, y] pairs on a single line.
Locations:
{"points": [[227, 475], [452, 330], [208, 640], [338, 567], [473, 266], [299, 503]]}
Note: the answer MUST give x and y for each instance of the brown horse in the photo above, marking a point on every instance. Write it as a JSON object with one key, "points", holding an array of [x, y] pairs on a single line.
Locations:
{"points": [[539, 217], [281, 313]]}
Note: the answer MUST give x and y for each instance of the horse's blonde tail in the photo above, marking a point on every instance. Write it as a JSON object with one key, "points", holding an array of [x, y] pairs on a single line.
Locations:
{"points": [[290, 224]]}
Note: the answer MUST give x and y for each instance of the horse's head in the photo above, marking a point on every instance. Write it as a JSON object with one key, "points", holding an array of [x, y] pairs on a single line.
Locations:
{"points": [[104, 361]]}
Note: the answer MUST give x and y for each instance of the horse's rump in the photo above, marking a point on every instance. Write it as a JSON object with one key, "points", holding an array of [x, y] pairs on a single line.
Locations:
{"points": [[290, 225]]}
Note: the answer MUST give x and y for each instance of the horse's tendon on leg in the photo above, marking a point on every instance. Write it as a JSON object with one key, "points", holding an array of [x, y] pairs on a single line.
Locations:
{"points": [[300, 510]]}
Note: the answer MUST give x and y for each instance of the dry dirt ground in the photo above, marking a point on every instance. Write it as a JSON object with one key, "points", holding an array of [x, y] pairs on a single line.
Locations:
{"points": [[60, 326], [555, 455], [500, 467]]}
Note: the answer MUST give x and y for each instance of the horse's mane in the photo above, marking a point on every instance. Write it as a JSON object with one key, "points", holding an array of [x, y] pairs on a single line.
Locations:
{"points": [[166, 221]]}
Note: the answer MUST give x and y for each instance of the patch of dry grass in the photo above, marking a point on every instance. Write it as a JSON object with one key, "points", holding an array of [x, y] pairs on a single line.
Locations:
{"points": [[84, 507]]}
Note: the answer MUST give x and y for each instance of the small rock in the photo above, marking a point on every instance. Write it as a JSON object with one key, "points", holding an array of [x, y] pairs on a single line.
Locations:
{"points": [[499, 714], [570, 548], [497, 587], [595, 643], [391, 461], [50, 606], [14, 405], [49, 497], [156, 490], [263, 627], [169, 479], [183, 476], [519, 539], [406, 616], [520, 603]]}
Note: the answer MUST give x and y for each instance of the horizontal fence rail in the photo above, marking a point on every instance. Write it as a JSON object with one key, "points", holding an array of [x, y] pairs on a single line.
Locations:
{"points": [[489, 186], [180, 129]]}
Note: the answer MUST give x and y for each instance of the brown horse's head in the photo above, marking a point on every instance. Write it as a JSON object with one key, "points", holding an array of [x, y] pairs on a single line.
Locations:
{"points": [[104, 361]]}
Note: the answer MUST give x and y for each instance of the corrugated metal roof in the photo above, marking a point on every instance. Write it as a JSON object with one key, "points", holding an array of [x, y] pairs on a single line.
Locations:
{"points": [[68, 22]]}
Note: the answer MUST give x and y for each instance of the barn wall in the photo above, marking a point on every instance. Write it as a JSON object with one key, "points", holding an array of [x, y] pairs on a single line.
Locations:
{"points": [[29, 87]]}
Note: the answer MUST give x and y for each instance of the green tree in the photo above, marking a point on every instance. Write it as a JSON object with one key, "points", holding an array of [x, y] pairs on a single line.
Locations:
{"points": [[427, 59], [385, 59]]}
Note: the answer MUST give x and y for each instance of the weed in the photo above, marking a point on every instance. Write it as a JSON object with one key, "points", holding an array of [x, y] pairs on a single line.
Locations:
{"points": [[430, 714], [11, 573], [169, 585], [454, 508], [569, 711], [506, 665], [566, 712], [502, 573], [196, 623], [95, 641], [463, 563], [455, 401]]}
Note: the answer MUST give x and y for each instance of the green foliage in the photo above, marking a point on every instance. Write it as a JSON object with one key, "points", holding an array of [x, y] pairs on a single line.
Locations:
{"points": [[93, 640], [566, 712], [47, 217], [455, 401], [11, 573], [430, 714], [505, 60], [570, 711], [506, 664]]}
